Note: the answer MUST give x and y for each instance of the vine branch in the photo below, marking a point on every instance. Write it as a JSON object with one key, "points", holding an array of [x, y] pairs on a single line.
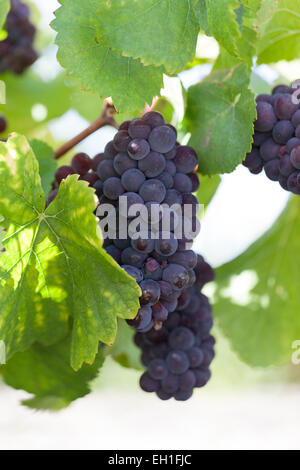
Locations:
{"points": [[105, 119]]}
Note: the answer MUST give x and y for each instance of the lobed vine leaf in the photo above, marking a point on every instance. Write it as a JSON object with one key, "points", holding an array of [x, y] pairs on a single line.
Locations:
{"points": [[47, 163], [45, 372], [220, 114], [279, 31], [83, 51], [157, 32], [54, 265], [258, 297]]}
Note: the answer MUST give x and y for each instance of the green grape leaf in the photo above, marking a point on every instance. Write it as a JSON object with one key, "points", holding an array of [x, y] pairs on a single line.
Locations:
{"points": [[157, 32], [208, 188], [220, 114], [201, 12], [4, 9], [279, 31], [47, 163], [258, 298], [54, 265], [222, 23], [28, 95], [45, 372], [83, 52], [124, 351]]}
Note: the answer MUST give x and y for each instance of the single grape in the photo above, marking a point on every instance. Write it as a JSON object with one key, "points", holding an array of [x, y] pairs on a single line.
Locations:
{"points": [[122, 162], [171, 168], [63, 172], [171, 155], [280, 89], [138, 149], [176, 275], [292, 183], [263, 97], [138, 129], [163, 395], [130, 199], [153, 190], [170, 384], [143, 318], [283, 182], [177, 362], [266, 118], [133, 272], [81, 163], [157, 369], [181, 338], [152, 270], [295, 157], [166, 245], [296, 118], [269, 150], [285, 165], [121, 141], [284, 107], [166, 179], [195, 181], [97, 160], [106, 170], [283, 131], [132, 179], [186, 258], [153, 119], [260, 137], [133, 257], [99, 187], [253, 159], [143, 245], [159, 313], [150, 292], [90, 177], [182, 183], [186, 159], [152, 165], [162, 139], [114, 252], [170, 304], [297, 132], [110, 152], [172, 197], [195, 356], [187, 381], [148, 384], [112, 188]]}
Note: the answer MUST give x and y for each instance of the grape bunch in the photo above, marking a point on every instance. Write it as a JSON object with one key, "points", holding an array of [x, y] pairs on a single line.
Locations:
{"points": [[276, 140], [16, 51], [178, 356], [145, 164]]}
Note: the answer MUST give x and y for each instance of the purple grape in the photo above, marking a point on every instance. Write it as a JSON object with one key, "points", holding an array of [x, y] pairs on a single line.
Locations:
{"points": [[157, 369], [295, 157], [172, 197], [283, 131], [112, 188], [121, 141], [132, 180], [177, 362], [292, 183], [266, 118], [138, 129], [110, 151], [81, 163], [133, 272], [114, 252], [152, 165], [138, 149], [284, 107], [166, 245], [291, 144], [63, 172], [296, 118], [122, 162], [143, 245], [3, 124], [253, 159], [162, 139], [153, 190], [176, 275], [133, 257], [166, 179], [153, 119], [182, 183], [285, 165], [150, 292], [106, 170], [269, 150], [186, 159]]}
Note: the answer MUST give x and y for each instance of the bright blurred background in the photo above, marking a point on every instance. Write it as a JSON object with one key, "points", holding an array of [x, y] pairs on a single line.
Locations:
{"points": [[241, 407]]}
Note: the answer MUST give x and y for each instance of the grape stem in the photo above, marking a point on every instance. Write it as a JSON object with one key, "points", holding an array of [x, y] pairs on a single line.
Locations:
{"points": [[105, 119]]}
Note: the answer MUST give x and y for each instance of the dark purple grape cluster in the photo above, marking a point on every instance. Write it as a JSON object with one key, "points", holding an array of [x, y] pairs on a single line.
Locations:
{"points": [[276, 141], [82, 165], [145, 164], [3, 124], [178, 356], [16, 51]]}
